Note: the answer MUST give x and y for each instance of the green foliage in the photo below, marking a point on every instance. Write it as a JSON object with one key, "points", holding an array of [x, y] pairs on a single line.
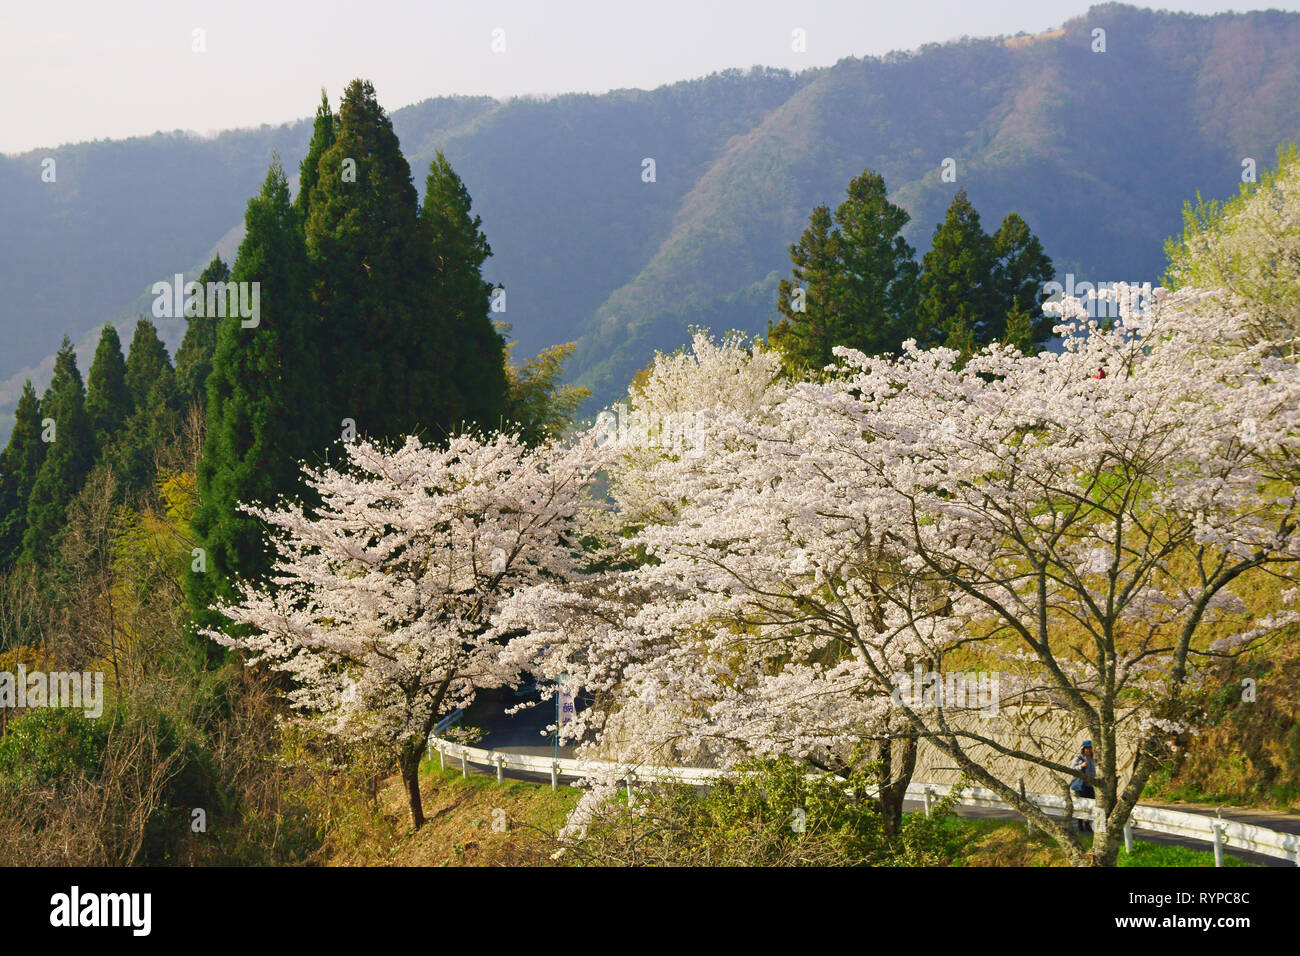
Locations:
{"points": [[51, 744], [155, 419], [194, 357], [146, 362], [19, 464], [457, 250], [258, 393], [108, 400], [772, 813], [66, 463], [1020, 270], [977, 289], [1249, 247], [957, 292], [858, 276], [370, 287], [323, 132], [539, 405]]}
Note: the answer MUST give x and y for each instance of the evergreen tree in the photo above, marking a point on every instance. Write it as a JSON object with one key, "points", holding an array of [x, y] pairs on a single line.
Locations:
{"points": [[108, 400], [322, 138], [19, 464], [958, 295], [146, 361], [859, 277], [811, 322], [1020, 271], [256, 433], [461, 301], [67, 461], [155, 418], [194, 357], [879, 268], [371, 287]]}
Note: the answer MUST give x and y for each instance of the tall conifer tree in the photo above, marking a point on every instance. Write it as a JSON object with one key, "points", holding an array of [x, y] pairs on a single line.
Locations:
{"points": [[958, 295], [194, 357], [1020, 270], [462, 300], [859, 278], [810, 302], [155, 415], [255, 435], [67, 460], [19, 464], [371, 286], [108, 400]]}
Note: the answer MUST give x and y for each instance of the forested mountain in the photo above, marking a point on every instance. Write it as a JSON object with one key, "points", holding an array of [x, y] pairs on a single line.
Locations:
{"points": [[1096, 150]]}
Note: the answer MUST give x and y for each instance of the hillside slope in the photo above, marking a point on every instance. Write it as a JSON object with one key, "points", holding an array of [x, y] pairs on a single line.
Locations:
{"points": [[1097, 151]]}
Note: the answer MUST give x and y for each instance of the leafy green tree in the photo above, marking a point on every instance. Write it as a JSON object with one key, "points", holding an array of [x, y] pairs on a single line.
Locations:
{"points": [[461, 299], [957, 287], [19, 464], [540, 406], [1249, 246], [194, 357], [67, 461], [256, 396]]}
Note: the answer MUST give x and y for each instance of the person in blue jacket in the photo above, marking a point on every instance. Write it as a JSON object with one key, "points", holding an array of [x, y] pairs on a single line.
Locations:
{"points": [[1083, 761]]}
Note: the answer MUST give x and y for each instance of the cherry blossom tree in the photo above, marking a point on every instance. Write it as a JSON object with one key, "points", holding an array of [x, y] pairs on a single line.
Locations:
{"points": [[1080, 517], [1075, 521], [380, 607], [710, 642]]}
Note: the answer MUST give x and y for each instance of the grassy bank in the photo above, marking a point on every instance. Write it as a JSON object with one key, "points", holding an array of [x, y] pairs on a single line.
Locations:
{"points": [[474, 821]]}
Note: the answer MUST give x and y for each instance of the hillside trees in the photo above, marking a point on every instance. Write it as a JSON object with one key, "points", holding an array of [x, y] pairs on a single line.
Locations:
{"points": [[259, 428], [457, 249], [194, 357], [1249, 246], [387, 354], [854, 281], [67, 461], [19, 464], [108, 399]]}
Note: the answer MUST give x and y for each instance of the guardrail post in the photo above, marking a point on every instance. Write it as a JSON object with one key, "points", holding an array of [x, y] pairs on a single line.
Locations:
{"points": [[1218, 842], [555, 775], [929, 798], [464, 769], [500, 769], [442, 760], [1128, 837]]}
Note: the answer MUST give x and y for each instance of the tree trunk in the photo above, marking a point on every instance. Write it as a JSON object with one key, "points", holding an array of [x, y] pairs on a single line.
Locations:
{"points": [[409, 764], [896, 766]]}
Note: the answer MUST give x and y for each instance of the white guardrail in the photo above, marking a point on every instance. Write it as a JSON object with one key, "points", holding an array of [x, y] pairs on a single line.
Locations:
{"points": [[1196, 826]]}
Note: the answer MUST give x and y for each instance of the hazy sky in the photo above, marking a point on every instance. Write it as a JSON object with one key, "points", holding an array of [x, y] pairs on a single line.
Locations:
{"points": [[86, 69]]}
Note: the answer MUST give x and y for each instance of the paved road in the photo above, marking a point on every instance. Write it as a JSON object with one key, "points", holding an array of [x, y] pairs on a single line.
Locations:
{"points": [[522, 733]]}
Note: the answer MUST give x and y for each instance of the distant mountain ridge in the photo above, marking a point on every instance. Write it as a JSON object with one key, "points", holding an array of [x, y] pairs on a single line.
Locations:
{"points": [[1097, 150]]}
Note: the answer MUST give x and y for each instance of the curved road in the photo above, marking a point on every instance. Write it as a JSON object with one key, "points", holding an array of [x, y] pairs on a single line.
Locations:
{"points": [[524, 733]]}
